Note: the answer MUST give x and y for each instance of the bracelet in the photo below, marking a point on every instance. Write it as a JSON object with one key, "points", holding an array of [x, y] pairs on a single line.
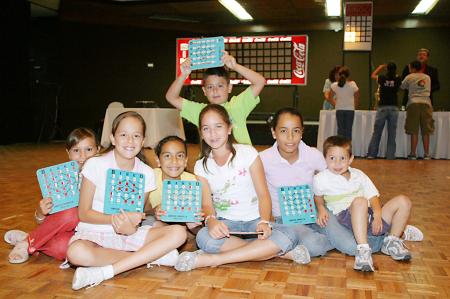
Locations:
{"points": [[264, 222], [207, 218], [37, 218]]}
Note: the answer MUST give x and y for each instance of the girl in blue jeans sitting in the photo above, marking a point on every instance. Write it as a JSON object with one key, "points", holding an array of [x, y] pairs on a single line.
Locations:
{"points": [[236, 201]]}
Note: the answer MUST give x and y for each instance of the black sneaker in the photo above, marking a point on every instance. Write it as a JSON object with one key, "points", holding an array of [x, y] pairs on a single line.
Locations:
{"points": [[412, 157]]}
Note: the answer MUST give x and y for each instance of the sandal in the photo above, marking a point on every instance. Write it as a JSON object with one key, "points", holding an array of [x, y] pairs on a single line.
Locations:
{"points": [[21, 253], [187, 260], [14, 236]]}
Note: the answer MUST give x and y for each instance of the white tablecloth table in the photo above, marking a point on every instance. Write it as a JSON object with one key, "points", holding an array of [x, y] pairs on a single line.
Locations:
{"points": [[160, 122], [363, 129]]}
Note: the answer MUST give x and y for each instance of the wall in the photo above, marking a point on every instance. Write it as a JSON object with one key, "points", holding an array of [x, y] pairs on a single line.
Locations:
{"points": [[102, 64], [14, 80]]}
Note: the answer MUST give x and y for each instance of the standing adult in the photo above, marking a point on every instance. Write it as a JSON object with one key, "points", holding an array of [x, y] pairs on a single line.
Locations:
{"points": [[387, 110], [423, 56]]}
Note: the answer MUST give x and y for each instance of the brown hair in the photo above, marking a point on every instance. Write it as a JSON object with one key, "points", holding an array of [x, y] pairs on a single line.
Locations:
{"points": [[344, 73], [116, 124], [217, 71], [205, 149], [79, 134], [287, 110], [332, 73], [338, 141], [158, 148]]}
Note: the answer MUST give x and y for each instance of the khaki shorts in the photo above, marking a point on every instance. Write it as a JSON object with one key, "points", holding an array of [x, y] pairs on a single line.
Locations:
{"points": [[419, 116]]}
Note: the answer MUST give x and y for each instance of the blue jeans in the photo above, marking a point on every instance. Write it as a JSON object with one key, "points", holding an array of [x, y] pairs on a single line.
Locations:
{"points": [[343, 239], [310, 236], [283, 236], [344, 119], [387, 114]]}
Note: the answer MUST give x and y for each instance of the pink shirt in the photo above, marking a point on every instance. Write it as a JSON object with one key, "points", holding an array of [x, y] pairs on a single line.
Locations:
{"points": [[280, 173]]}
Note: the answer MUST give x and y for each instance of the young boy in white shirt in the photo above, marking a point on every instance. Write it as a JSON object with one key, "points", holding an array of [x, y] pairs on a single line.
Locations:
{"points": [[350, 195]]}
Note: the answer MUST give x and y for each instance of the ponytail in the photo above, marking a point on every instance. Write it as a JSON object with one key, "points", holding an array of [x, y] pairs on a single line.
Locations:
{"points": [[344, 73], [391, 69]]}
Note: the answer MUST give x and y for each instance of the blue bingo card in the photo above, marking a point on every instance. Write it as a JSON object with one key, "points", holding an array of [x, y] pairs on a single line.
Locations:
{"points": [[181, 200], [297, 204], [124, 191], [206, 52], [62, 183]]}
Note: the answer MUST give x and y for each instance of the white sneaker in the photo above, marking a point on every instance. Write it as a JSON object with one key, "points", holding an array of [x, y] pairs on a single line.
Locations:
{"points": [[412, 233], [395, 247], [64, 265], [87, 277], [300, 255], [170, 259], [363, 259]]}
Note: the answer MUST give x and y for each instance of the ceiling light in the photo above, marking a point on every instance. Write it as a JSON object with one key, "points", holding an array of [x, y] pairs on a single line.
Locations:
{"points": [[333, 8], [236, 9], [424, 7]]}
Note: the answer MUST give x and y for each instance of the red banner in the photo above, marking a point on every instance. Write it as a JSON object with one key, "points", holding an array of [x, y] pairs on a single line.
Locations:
{"points": [[299, 58]]}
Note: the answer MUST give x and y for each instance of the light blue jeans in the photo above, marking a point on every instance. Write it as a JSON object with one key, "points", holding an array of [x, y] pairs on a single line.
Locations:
{"points": [[311, 237], [385, 114], [283, 236], [343, 239]]}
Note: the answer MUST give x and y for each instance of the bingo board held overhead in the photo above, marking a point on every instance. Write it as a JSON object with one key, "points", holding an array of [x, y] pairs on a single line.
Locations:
{"points": [[62, 183], [182, 200], [206, 52], [124, 191], [297, 204], [281, 59]]}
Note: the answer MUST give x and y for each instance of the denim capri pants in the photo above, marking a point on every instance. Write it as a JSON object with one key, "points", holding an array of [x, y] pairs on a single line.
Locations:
{"points": [[283, 236]]}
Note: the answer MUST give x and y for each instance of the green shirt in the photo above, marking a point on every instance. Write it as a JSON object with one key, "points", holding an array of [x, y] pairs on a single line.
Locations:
{"points": [[239, 107]]}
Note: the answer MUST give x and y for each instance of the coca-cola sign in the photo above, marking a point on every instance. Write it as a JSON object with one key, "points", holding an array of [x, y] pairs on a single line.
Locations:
{"points": [[297, 62], [299, 59]]}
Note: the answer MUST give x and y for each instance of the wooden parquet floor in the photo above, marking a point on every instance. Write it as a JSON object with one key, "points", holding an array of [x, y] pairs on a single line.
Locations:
{"points": [[426, 276]]}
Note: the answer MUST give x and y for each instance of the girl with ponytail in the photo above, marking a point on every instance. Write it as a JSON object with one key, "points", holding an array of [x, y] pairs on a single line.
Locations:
{"points": [[345, 94]]}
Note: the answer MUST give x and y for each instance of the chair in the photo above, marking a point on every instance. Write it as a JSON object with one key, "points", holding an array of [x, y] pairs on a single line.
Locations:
{"points": [[116, 105]]}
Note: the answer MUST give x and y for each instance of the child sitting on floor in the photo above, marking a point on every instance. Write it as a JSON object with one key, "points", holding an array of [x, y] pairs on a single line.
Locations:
{"points": [[353, 198], [55, 230], [172, 159]]}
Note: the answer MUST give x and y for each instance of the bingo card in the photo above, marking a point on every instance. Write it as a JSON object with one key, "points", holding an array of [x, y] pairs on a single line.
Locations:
{"points": [[297, 204], [181, 200], [206, 52], [124, 191], [62, 183]]}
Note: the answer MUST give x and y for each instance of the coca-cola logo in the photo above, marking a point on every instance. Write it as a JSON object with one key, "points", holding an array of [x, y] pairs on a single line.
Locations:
{"points": [[299, 53]]}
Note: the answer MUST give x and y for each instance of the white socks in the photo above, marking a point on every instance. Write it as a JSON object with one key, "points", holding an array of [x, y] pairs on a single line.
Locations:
{"points": [[108, 272]]}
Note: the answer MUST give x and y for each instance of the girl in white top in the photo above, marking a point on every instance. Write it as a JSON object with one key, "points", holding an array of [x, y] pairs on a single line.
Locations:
{"points": [[236, 201], [106, 245], [345, 98]]}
